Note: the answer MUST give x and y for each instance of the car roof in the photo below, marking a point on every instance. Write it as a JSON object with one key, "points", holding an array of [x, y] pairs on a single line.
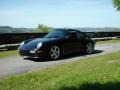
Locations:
{"points": [[59, 29], [74, 30]]}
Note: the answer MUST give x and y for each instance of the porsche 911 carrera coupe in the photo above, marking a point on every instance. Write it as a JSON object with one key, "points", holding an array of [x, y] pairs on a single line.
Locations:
{"points": [[57, 43]]}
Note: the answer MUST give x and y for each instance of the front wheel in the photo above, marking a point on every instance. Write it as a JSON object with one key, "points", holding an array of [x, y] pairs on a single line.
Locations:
{"points": [[89, 48], [55, 52]]}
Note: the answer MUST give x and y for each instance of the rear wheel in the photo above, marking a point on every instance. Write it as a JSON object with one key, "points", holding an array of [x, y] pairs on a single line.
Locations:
{"points": [[55, 52], [89, 48]]}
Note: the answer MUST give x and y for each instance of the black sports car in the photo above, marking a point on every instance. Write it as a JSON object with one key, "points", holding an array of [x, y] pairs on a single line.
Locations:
{"points": [[57, 43]]}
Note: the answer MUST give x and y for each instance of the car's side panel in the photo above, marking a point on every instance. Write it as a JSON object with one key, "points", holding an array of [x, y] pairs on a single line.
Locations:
{"points": [[70, 45]]}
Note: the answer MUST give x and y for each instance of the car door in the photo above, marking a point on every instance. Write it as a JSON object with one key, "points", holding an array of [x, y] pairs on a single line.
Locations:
{"points": [[78, 42], [72, 43], [81, 41]]}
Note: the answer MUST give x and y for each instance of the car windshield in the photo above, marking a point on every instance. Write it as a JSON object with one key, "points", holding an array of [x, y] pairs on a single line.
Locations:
{"points": [[56, 34]]}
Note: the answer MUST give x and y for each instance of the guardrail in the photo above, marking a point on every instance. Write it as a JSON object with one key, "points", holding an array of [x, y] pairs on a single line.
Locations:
{"points": [[104, 38], [9, 46]]}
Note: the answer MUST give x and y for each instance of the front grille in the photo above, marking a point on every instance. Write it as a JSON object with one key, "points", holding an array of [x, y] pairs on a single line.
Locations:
{"points": [[26, 53]]}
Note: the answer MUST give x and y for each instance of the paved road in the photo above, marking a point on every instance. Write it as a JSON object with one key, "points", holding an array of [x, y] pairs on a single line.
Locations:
{"points": [[17, 65]]}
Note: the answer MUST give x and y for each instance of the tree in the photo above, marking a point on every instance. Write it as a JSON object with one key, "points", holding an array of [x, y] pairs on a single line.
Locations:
{"points": [[42, 28], [116, 4]]}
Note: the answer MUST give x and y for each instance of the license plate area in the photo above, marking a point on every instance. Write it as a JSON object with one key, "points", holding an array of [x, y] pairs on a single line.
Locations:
{"points": [[32, 51]]}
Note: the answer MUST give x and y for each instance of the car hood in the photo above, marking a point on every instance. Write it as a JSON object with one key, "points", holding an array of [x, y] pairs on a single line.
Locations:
{"points": [[31, 45]]}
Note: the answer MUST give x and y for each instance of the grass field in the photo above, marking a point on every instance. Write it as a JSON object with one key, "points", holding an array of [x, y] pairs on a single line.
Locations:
{"points": [[108, 41], [8, 53], [93, 73]]}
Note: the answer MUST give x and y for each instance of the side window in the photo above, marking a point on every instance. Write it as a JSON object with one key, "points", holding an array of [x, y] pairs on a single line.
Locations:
{"points": [[81, 35], [73, 35]]}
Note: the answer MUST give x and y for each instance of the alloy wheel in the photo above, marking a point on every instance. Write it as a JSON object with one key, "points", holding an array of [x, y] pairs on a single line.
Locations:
{"points": [[55, 52], [89, 48]]}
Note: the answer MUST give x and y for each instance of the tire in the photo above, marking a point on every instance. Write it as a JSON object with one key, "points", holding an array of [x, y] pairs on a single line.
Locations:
{"points": [[55, 52], [89, 48]]}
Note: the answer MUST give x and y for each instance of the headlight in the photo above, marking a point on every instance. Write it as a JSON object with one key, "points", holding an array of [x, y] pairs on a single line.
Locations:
{"points": [[39, 45], [22, 43]]}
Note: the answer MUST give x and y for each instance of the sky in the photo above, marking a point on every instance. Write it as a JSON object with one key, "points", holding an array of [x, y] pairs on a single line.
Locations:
{"points": [[59, 13]]}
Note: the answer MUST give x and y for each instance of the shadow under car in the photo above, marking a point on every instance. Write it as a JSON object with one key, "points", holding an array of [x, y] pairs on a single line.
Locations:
{"points": [[68, 56]]}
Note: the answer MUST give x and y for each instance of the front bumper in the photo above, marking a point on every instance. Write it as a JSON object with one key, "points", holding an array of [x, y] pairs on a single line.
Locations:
{"points": [[35, 53]]}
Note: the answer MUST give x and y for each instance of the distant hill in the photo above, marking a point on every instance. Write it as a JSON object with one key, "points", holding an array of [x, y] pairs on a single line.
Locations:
{"points": [[8, 29]]}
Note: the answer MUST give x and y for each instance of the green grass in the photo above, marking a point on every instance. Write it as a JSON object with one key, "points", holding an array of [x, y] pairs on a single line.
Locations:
{"points": [[93, 73], [8, 53], [108, 41]]}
